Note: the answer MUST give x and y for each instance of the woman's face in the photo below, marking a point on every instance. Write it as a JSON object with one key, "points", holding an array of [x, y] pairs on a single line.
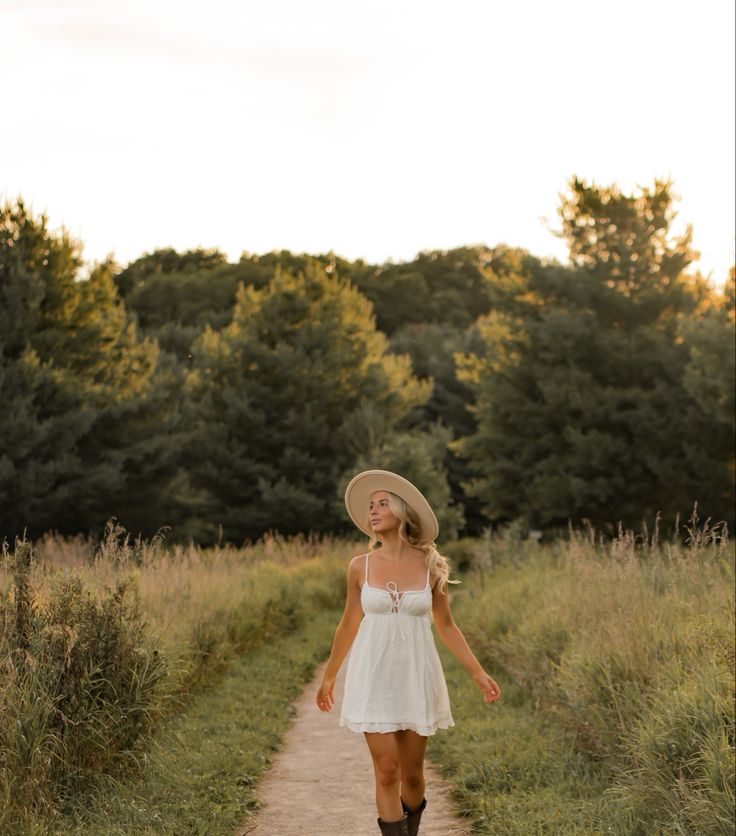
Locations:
{"points": [[380, 516]]}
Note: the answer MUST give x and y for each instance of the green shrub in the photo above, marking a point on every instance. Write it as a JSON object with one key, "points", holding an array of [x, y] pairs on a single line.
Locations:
{"points": [[79, 687]]}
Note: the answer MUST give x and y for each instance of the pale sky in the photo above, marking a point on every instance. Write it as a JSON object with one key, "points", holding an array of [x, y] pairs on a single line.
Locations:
{"points": [[375, 130]]}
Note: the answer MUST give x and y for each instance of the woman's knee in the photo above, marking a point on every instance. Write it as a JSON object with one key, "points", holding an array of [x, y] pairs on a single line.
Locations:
{"points": [[387, 769], [412, 778]]}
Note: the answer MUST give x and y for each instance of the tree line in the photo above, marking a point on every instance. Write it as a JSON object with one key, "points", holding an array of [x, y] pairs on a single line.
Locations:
{"points": [[224, 399]]}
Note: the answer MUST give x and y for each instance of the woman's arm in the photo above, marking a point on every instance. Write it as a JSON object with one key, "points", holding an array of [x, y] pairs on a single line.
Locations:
{"points": [[344, 636], [455, 641]]}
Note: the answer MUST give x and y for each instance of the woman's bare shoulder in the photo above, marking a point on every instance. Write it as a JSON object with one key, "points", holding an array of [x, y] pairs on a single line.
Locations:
{"points": [[356, 562], [355, 569]]}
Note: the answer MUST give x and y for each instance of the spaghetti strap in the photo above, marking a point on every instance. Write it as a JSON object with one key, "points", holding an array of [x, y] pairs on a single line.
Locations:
{"points": [[366, 568]]}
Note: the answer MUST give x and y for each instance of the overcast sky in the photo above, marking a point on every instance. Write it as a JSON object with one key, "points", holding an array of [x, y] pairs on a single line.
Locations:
{"points": [[374, 129]]}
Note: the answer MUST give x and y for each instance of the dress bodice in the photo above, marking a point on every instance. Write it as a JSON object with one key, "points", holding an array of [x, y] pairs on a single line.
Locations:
{"points": [[390, 601]]}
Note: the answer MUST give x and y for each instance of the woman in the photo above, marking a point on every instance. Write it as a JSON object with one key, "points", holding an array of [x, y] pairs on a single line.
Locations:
{"points": [[395, 690]]}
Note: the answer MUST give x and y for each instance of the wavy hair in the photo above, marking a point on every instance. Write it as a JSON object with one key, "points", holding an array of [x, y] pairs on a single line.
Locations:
{"points": [[410, 532]]}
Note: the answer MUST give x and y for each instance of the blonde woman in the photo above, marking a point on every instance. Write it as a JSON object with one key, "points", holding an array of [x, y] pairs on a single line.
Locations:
{"points": [[395, 690]]}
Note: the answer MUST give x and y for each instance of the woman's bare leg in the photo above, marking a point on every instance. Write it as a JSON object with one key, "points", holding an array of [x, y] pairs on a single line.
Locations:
{"points": [[412, 747], [385, 754]]}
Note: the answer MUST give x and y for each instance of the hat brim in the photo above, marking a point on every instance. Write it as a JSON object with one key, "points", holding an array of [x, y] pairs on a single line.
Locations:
{"points": [[358, 494]]}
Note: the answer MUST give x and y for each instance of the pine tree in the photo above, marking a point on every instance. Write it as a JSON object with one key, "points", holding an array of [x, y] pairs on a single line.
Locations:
{"points": [[580, 398], [277, 395], [433, 348], [438, 286], [72, 371]]}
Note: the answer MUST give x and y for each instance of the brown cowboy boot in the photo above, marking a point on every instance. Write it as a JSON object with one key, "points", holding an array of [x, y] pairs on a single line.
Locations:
{"points": [[394, 828], [414, 818]]}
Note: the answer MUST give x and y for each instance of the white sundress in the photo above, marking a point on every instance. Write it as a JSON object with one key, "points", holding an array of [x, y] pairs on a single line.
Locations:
{"points": [[394, 678]]}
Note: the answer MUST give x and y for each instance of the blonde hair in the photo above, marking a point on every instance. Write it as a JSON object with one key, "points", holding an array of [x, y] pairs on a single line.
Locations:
{"points": [[410, 530]]}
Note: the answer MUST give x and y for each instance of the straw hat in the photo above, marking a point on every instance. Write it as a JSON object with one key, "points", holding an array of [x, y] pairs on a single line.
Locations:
{"points": [[358, 494]]}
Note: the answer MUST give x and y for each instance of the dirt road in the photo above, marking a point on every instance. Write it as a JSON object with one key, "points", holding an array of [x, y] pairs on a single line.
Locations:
{"points": [[321, 782]]}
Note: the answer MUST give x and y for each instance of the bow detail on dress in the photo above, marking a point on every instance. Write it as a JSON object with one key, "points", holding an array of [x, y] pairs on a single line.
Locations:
{"points": [[393, 591]]}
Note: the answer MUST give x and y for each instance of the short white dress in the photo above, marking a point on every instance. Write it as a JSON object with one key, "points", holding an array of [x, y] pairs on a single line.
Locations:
{"points": [[394, 678]]}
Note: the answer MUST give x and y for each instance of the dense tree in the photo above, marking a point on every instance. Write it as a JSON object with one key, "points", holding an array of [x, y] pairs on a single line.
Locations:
{"points": [[76, 387], [175, 296], [439, 286], [169, 291], [581, 403], [278, 396], [710, 374], [709, 379], [184, 390], [433, 348], [166, 262]]}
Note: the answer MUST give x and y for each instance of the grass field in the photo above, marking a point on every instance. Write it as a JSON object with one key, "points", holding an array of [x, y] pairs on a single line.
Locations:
{"points": [[616, 662]]}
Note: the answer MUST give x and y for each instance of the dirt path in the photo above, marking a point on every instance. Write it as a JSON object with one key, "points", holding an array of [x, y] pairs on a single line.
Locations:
{"points": [[321, 782]]}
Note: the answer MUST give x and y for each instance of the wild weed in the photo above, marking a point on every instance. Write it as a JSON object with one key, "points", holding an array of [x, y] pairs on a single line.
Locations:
{"points": [[628, 645]]}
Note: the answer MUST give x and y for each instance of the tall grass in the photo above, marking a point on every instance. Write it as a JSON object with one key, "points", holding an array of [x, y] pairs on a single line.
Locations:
{"points": [[619, 651], [202, 606], [98, 642], [628, 645], [77, 688]]}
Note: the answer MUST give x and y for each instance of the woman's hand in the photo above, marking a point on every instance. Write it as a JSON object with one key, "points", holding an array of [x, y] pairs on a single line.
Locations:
{"points": [[488, 685], [325, 698]]}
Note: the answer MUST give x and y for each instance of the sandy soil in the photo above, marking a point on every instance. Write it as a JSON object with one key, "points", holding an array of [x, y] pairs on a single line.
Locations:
{"points": [[321, 781]]}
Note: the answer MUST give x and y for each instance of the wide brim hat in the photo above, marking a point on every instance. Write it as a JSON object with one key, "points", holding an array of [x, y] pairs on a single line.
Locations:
{"points": [[358, 495]]}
